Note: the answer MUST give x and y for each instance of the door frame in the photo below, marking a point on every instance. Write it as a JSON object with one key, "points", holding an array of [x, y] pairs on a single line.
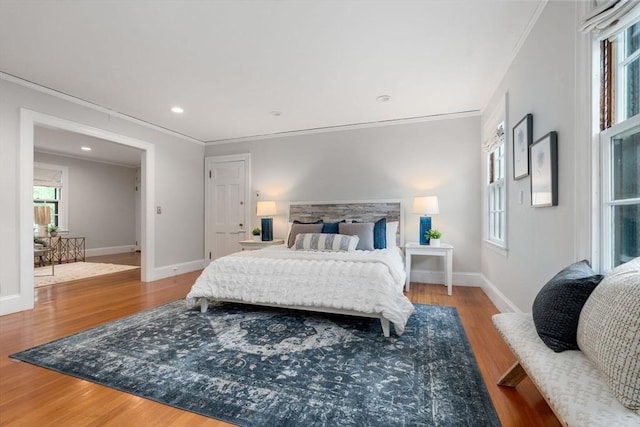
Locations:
{"points": [[28, 120], [208, 164]]}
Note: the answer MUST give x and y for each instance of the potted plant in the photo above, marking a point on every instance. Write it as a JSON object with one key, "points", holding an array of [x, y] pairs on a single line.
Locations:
{"points": [[53, 230], [256, 234], [434, 236]]}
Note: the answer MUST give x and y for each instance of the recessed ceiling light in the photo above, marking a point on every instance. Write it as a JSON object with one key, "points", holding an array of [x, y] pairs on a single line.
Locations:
{"points": [[276, 113], [383, 98], [177, 110], [85, 148]]}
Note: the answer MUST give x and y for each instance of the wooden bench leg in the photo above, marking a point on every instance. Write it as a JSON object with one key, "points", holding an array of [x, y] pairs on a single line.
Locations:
{"points": [[513, 376]]}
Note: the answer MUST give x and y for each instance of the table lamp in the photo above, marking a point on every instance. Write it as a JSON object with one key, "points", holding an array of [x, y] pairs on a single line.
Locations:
{"points": [[42, 217], [425, 206], [266, 210]]}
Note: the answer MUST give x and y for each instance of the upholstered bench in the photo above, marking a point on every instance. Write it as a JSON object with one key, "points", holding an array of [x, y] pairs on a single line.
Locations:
{"points": [[599, 383], [572, 385]]}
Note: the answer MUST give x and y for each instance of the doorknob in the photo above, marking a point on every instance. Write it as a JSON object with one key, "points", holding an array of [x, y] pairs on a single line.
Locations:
{"points": [[240, 225]]}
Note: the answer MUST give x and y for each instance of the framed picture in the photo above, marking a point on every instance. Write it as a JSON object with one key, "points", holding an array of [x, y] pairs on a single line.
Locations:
{"points": [[544, 171], [522, 139]]}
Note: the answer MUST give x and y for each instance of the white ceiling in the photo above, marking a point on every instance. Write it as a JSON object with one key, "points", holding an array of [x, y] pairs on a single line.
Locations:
{"points": [[57, 141], [230, 63]]}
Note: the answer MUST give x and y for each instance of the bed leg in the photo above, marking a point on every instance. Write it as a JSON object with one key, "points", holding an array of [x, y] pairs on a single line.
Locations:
{"points": [[513, 376], [204, 305], [385, 327]]}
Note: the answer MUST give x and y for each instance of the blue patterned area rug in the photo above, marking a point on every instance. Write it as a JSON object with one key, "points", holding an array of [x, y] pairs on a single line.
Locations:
{"points": [[260, 366]]}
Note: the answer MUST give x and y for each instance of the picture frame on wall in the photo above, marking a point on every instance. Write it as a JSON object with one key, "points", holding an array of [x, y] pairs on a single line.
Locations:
{"points": [[521, 141], [544, 171]]}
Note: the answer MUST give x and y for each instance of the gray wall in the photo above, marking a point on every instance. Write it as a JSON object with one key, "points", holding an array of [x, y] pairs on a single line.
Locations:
{"points": [[389, 162], [101, 201], [541, 81]]}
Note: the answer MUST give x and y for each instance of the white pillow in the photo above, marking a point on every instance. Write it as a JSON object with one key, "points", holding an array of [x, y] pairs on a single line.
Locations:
{"points": [[326, 242], [392, 229], [609, 332]]}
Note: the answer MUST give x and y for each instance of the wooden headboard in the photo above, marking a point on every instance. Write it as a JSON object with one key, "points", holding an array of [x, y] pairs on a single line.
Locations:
{"points": [[361, 211]]}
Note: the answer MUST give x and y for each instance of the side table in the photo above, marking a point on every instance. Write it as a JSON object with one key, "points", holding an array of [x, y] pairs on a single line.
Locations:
{"points": [[444, 250], [252, 245], [43, 254]]}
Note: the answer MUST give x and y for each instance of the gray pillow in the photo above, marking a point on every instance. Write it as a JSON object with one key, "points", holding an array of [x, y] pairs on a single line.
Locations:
{"points": [[302, 228], [363, 230]]}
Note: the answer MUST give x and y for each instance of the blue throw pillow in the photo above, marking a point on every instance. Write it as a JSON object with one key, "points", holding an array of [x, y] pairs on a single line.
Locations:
{"points": [[380, 234], [331, 227], [556, 309]]}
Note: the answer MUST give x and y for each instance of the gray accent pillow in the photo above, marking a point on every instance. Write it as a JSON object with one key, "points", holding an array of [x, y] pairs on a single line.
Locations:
{"points": [[556, 309], [609, 332], [363, 230], [302, 228]]}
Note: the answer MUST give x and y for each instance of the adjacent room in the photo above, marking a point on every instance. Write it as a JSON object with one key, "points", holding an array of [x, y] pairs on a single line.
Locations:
{"points": [[320, 213]]}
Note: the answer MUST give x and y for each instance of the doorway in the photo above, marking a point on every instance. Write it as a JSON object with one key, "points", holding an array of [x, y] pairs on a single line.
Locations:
{"points": [[28, 120]]}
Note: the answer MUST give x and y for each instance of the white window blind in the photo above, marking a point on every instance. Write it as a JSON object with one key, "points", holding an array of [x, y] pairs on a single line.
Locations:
{"points": [[47, 177]]}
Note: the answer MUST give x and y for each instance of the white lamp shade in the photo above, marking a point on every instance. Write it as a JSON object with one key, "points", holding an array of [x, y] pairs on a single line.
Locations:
{"points": [[426, 205], [41, 215], [266, 208]]}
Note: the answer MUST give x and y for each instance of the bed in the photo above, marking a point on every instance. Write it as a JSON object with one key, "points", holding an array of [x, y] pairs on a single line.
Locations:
{"points": [[338, 279]]}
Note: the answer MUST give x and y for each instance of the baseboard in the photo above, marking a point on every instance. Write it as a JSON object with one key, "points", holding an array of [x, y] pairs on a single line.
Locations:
{"points": [[459, 279], [109, 251], [498, 299], [175, 269]]}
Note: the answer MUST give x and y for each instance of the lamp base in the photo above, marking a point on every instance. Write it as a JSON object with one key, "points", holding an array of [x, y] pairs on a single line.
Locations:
{"points": [[425, 226], [267, 229]]}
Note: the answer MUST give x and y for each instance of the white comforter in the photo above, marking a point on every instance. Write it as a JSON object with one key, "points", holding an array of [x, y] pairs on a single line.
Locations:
{"points": [[362, 281]]}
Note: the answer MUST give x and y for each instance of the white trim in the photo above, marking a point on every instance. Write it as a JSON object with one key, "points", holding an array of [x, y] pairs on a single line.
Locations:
{"points": [[605, 200], [28, 120], [109, 250], [499, 115], [474, 280], [584, 112], [181, 268], [404, 121], [208, 165], [96, 107], [498, 299], [495, 247]]}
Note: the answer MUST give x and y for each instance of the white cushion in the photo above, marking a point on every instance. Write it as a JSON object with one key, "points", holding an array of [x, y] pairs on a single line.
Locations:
{"points": [[609, 331]]}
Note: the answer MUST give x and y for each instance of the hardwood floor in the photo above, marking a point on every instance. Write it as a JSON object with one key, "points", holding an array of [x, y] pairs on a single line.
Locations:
{"points": [[32, 396]]}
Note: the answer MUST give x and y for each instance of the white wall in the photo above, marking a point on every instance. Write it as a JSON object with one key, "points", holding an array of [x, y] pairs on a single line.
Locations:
{"points": [[541, 81], [101, 202], [389, 162], [179, 185]]}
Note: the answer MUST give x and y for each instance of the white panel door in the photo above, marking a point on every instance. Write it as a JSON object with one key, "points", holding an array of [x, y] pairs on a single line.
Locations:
{"points": [[226, 206]]}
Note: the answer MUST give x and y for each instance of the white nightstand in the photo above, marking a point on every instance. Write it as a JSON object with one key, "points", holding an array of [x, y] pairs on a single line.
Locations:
{"points": [[444, 250], [252, 245]]}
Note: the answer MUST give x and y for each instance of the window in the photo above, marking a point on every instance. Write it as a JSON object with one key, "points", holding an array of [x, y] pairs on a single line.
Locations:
{"points": [[50, 197], [620, 147], [49, 189], [496, 187]]}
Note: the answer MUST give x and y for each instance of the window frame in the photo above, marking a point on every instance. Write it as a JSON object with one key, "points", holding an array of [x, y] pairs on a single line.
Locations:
{"points": [[497, 118], [607, 123], [63, 201], [607, 203], [496, 188]]}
